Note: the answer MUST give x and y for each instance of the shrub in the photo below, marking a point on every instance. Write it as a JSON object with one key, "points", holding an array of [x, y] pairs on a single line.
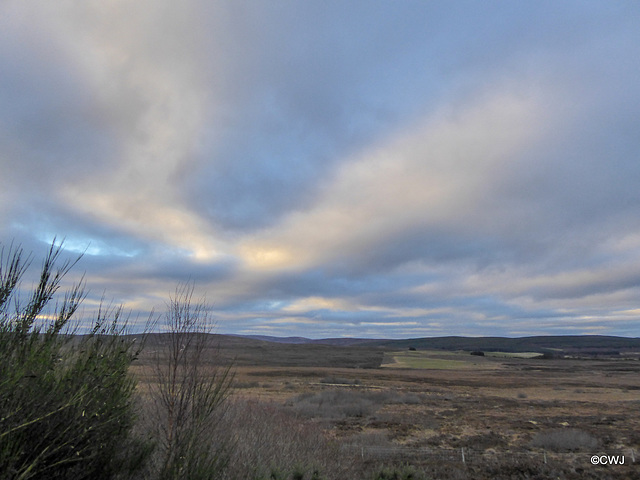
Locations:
{"points": [[270, 442], [406, 399], [368, 439], [482, 441], [338, 403], [66, 402], [406, 472], [340, 381], [188, 394], [564, 440]]}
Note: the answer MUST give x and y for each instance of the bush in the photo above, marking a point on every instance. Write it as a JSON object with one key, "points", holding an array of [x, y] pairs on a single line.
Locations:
{"points": [[188, 394], [66, 402], [270, 442], [339, 381], [406, 472], [406, 399], [564, 440], [338, 403]]}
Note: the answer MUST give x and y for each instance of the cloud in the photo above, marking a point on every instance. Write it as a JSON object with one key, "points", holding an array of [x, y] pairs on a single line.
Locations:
{"points": [[332, 168], [432, 179]]}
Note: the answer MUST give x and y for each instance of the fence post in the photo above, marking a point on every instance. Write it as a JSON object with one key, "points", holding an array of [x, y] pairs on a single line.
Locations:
{"points": [[462, 450], [544, 455], [633, 457]]}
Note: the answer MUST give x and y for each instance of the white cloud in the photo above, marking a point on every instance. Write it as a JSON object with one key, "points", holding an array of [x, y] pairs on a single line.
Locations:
{"points": [[437, 174]]}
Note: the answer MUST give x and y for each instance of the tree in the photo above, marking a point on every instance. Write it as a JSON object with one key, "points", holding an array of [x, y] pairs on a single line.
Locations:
{"points": [[66, 401], [189, 392]]}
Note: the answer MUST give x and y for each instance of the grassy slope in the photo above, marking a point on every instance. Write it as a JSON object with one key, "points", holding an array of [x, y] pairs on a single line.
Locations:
{"points": [[525, 344]]}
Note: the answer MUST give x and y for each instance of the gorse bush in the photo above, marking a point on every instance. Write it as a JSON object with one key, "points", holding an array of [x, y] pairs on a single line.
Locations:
{"points": [[65, 401]]}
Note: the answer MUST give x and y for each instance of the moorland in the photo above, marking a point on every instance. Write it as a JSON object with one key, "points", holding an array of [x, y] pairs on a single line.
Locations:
{"points": [[453, 407]]}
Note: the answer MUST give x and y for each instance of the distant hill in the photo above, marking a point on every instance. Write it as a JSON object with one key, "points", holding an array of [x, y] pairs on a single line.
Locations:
{"points": [[562, 344], [567, 344], [268, 338], [302, 340], [274, 352], [362, 352]]}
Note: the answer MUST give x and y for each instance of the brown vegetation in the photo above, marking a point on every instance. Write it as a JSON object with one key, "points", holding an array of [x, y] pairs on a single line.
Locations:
{"points": [[509, 417]]}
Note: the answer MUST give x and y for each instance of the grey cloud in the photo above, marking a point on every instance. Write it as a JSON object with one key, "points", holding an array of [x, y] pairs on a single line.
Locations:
{"points": [[237, 117], [46, 121], [312, 99]]}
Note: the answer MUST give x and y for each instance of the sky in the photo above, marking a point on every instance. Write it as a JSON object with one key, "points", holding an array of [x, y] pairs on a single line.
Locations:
{"points": [[332, 168]]}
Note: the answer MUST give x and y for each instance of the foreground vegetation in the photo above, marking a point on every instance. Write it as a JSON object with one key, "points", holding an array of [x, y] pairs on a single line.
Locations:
{"points": [[109, 405], [66, 402]]}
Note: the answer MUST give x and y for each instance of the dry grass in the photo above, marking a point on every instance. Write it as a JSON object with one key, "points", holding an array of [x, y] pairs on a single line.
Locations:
{"points": [[565, 440], [500, 410]]}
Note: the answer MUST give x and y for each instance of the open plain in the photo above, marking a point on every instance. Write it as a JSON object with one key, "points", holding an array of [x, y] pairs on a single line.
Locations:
{"points": [[378, 410]]}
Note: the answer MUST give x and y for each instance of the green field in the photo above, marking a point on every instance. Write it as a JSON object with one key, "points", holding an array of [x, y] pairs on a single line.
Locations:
{"points": [[424, 360], [513, 354]]}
